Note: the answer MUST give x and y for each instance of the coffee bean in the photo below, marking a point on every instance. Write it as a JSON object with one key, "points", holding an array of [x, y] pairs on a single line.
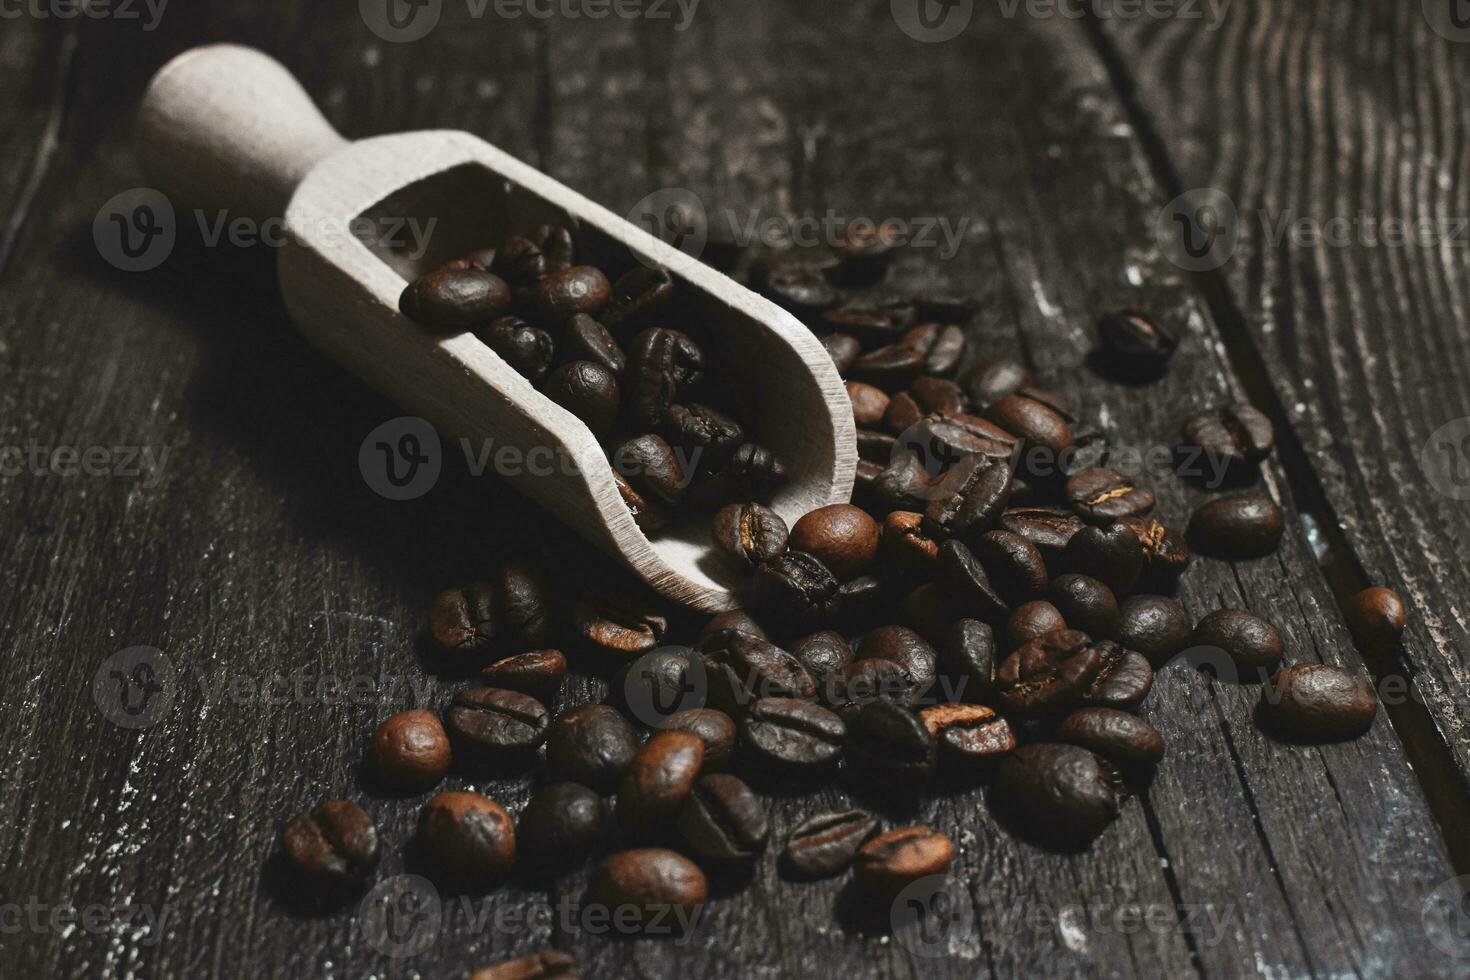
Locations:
{"points": [[1319, 702], [869, 404], [454, 299], [965, 579], [1049, 530], [937, 395], [874, 320], [1135, 346], [864, 251], [945, 440], [946, 307], [556, 244], [1062, 794], [823, 655], [470, 837], [969, 499], [892, 860], [794, 733], [411, 751], [722, 820], [537, 673], [905, 485], [1123, 680], [967, 659], [904, 647], [1085, 603], [620, 626], [906, 546], [793, 588], [886, 737], [991, 381], [1250, 642], [592, 744], [523, 605], [659, 683], [705, 433], [659, 779], [1049, 674], [651, 465], [1165, 554], [875, 446], [585, 339], [864, 681], [1036, 417], [891, 367], [561, 824], [948, 350], [714, 728], [578, 289], [518, 260], [661, 889], [762, 669], [969, 733], [662, 365], [901, 413], [749, 534], [636, 296], [1100, 496], [587, 390], [528, 350], [932, 609], [1015, 565], [752, 472], [1237, 528], [548, 964], [649, 515], [736, 619], [843, 350], [798, 284], [840, 536], [1127, 741], [333, 845], [493, 723], [1155, 626], [462, 620], [1376, 617], [1031, 621], [826, 844], [1113, 555], [1236, 435]]}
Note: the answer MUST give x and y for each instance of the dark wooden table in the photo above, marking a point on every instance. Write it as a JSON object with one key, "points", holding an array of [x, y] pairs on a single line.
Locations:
{"points": [[266, 570]]}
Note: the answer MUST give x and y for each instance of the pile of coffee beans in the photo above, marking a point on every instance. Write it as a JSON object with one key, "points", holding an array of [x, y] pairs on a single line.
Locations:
{"points": [[604, 351]]}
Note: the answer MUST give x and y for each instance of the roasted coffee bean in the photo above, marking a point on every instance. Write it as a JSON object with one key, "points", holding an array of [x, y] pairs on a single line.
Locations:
{"points": [[555, 242], [1015, 565], [1036, 417], [1165, 554], [867, 680], [886, 737], [1376, 617], [592, 745], [946, 307], [708, 434], [1250, 642], [480, 258], [860, 602], [455, 299], [731, 619], [921, 337], [944, 356], [657, 886], [969, 733], [1123, 680], [874, 320], [714, 728], [1032, 621], [649, 515], [1100, 496], [662, 366], [904, 647], [763, 669], [1127, 741], [537, 673], [1237, 528], [794, 733], [518, 260], [547, 964], [943, 441], [905, 544], [659, 779], [651, 465], [332, 845], [470, 837], [722, 820], [967, 661], [752, 472], [1112, 554], [749, 534], [798, 282], [869, 404], [965, 579], [1319, 702], [938, 395], [843, 350], [1090, 451], [931, 609], [523, 605], [990, 381], [892, 860], [969, 499], [528, 350], [1236, 435], [636, 296], [659, 683], [411, 750], [462, 620], [1049, 674], [493, 722], [578, 289], [1049, 530], [1155, 626], [901, 413], [586, 339], [864, 251], [1085, 603], [621, 626], [841, 536], [1062, 794], [1135, 346], [561, 824], [587, 390], [875, 446], [793, 588], [826, 844], [890, 368], [905, 485], [823, 655]]}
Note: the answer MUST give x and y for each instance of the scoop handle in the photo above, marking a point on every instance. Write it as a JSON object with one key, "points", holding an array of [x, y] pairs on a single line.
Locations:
{"points": [[229, 127]]}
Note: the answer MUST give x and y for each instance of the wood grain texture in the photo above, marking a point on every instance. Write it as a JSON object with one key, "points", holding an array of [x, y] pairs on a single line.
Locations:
{"points": [[261, 551]]}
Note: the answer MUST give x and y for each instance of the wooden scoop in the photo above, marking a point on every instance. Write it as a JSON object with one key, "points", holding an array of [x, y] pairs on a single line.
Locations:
{"points": [[227, 127]]}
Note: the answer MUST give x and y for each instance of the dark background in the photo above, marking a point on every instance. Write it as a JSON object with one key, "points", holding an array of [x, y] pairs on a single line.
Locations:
{"points": [[262, 553]]}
